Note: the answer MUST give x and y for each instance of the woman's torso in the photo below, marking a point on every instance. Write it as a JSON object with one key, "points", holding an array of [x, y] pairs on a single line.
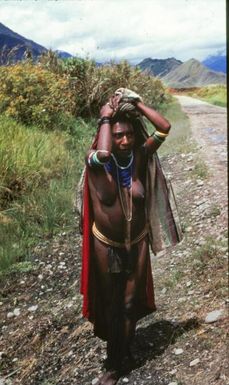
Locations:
{"points": [[108, 211]]}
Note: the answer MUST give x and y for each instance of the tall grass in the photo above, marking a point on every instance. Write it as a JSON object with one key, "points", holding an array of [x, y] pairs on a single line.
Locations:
{"points": [[38, 176]]}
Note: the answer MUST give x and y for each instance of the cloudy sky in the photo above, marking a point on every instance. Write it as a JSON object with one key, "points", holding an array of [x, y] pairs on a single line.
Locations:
{"points": [[121, 29]]}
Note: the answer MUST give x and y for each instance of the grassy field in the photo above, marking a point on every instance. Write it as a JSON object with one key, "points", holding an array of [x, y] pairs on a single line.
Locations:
{"points": [[214, 94], [38, 175]]}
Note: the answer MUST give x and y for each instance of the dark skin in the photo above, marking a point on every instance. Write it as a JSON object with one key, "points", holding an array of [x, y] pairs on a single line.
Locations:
{"points": [[108, 215]]}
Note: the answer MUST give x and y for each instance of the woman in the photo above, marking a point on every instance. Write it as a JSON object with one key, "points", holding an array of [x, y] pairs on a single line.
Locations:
{"points": [[117, 280]]}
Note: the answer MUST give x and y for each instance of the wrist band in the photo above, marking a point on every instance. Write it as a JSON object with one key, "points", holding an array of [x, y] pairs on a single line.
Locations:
{"points": [[104, 119]]}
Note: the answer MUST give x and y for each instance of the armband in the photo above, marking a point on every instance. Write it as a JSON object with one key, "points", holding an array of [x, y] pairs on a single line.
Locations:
{"points": [[157, 138], [93, 159], [161, 134]]}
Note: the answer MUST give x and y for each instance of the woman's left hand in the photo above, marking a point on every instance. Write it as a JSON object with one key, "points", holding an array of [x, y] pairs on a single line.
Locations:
{"points": [[114, 101]]}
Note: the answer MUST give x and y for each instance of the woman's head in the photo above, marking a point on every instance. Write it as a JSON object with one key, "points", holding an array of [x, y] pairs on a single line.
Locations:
{"points": [[123, 138]]}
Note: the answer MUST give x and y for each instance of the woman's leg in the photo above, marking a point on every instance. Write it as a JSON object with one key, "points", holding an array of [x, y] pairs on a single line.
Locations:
{"points": [[135, 291], [110, 296]]}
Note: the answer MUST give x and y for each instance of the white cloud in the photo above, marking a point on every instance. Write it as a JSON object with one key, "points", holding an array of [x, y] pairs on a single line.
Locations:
{"points": [[121, 29]]}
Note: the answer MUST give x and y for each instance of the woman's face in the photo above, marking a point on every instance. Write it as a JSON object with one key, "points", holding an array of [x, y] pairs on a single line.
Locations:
{"points": [[123, 138]]}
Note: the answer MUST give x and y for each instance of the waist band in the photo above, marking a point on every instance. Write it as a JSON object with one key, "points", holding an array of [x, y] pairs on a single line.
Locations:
{"points": [[110, 242]]}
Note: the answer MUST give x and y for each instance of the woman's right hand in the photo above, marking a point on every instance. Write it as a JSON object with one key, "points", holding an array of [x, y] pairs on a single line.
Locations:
{"points": [[110, 107]]}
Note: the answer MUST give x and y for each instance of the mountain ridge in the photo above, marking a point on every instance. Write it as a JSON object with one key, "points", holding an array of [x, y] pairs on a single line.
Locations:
{"points": [[216, 63], [159, 67], [193, 74], [11, 39]]}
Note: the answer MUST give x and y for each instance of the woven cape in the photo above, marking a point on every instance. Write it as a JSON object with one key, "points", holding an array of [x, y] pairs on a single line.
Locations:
{"points": [[161, 215]]}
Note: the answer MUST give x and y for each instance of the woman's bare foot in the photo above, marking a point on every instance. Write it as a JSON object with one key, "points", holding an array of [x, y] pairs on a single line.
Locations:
{"points": [[109, 378]]}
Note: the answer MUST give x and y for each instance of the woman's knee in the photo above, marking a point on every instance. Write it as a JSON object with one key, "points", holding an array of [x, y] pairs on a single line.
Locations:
{"points": [[129, 308]]}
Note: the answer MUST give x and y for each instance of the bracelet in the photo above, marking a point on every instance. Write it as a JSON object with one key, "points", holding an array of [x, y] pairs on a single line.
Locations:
{"points": [[157, 138], [104, 119], [161, 134]]}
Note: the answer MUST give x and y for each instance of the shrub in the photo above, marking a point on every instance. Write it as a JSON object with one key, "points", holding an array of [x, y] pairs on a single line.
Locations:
{"points": [[93, 85], [50, 93], [34, 95]]}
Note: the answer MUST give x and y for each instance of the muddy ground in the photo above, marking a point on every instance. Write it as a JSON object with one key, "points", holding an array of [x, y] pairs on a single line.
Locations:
{"points": [[44, 339]]}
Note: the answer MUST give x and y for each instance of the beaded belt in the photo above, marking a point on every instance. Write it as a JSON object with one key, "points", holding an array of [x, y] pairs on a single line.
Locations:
{"points": [[110, 242]]}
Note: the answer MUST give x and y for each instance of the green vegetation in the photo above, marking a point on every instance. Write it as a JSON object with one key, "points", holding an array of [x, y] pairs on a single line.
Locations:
{"points": [[48, 94], [210, 256], [200, 169], [214, 94], [38, 173], [214, 211], [175, 277], [32, 94]]}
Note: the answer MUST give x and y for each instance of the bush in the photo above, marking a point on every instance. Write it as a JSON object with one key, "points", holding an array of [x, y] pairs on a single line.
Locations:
{"points": [[51, 93], [93, 85], [34, 95]]}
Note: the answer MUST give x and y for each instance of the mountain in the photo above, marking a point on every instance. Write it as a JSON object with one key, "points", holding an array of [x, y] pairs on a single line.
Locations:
{"points": [[193, 74], [216, 63], [16, 46], [63, 54], [11, 40], [159, 67]]}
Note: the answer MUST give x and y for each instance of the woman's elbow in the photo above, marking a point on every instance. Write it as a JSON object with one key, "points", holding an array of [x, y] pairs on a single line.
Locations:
{"points": [[103, 155], [166, 126]]}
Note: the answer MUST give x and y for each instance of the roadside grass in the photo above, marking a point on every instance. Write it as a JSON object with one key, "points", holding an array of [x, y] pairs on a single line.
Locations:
{"points": [[209, 253], [38, 177], [214, 94], [214, 211], [178, 140], [200, 169]]}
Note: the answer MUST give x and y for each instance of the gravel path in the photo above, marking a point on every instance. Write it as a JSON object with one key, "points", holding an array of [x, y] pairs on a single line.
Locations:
{"points": [[209, 127]]}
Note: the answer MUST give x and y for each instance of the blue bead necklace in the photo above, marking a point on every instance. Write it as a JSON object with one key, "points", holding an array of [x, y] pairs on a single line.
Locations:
{"points": [[123, 176]]}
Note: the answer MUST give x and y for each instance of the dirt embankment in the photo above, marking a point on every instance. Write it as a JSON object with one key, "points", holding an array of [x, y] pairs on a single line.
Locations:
{"points": [[45, 341]]}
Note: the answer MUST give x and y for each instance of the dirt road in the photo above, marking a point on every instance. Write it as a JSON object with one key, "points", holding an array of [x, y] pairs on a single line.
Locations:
{"points": [[45, 341], [209, 127]]}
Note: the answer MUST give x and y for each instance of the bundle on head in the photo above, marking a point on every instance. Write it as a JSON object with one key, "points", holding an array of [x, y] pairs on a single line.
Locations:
{"points": [[127, 112]]}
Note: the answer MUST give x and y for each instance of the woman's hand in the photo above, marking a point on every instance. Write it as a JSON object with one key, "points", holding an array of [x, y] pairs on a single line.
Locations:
{"points": [[107, 110], [110, 107]]}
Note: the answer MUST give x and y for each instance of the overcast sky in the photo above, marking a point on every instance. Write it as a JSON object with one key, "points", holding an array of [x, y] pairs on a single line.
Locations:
{"points": [[121, 29]]}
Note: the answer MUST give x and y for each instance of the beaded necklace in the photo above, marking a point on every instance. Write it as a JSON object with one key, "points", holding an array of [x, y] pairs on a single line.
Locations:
{"points": [[123, 177]]}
